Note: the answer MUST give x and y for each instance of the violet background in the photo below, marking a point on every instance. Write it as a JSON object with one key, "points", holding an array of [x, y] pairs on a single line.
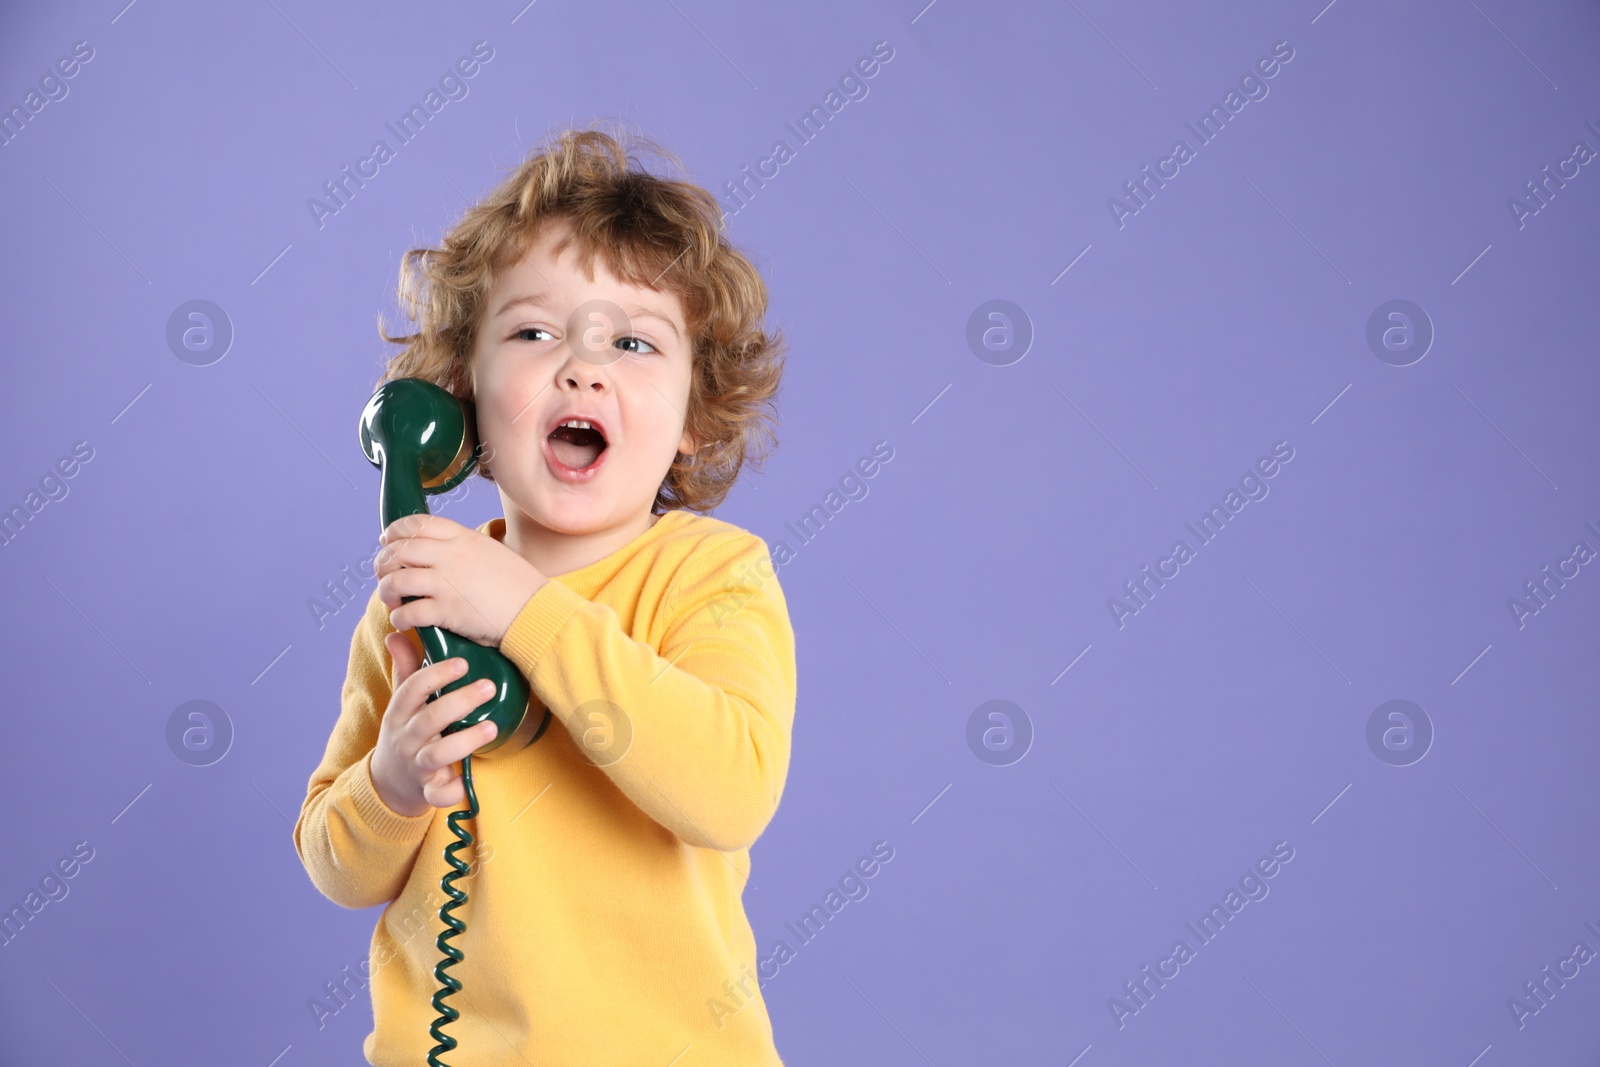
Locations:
{"points": [[1228, 314]]}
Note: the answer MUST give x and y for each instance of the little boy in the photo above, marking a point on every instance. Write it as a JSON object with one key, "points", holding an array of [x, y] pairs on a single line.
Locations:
{"points": [[611, 343]]}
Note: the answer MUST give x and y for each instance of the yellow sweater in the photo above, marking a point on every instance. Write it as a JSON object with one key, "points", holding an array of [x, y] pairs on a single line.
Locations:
{"points": [[604, 918]]}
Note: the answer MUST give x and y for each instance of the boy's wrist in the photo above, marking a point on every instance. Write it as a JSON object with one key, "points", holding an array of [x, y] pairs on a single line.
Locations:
{"points": [[385, 796]]}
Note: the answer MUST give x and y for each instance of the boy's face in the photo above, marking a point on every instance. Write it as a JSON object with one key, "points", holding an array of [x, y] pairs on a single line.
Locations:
{"points": [[615, 353]]}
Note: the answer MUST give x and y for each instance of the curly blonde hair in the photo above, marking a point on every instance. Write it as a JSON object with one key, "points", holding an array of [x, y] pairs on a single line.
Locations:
{"points": [[651, 231]]}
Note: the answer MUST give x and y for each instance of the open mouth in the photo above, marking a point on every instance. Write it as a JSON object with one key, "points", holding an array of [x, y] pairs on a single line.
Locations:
{"points": [[577, 448]]}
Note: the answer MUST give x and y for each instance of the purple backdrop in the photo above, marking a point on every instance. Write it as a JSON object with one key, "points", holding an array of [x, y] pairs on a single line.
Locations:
{"points": [[1346, 321]]}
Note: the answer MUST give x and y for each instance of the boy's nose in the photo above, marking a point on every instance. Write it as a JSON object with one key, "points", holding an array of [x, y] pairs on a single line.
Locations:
{"points": [[592, 329]]}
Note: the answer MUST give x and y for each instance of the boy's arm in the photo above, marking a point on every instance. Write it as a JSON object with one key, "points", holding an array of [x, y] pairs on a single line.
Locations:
{"points": [[707, 722], [358, 852]]}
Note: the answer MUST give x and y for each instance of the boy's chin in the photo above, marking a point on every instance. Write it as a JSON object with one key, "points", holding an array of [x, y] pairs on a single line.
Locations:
{"points": [[576, 516]]}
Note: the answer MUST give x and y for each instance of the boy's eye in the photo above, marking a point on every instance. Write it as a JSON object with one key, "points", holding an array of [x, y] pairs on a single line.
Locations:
{"points": [[640, 340], [521, 336]]}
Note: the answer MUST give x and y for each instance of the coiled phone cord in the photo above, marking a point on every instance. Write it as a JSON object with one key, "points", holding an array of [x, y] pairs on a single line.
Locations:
{"points": [[453, 955]]}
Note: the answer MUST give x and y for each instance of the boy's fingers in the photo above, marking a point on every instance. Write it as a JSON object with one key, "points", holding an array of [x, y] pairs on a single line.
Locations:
{"points": [[424, 720], [406, 658], [454, 706], [441, 754], [437, 780], [466, 742], [449, 793], [428, 679]]}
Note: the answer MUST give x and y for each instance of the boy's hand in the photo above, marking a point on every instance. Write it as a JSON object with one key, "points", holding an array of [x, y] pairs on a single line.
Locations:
{"points": [[470, 583], [412, 764]]}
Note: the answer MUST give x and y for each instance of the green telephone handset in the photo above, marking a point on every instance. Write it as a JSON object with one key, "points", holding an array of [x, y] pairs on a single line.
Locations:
{"points": [[424, 441]]}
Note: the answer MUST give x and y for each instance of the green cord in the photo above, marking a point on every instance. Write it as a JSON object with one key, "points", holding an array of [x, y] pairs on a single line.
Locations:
{"points": [[453, 955]]}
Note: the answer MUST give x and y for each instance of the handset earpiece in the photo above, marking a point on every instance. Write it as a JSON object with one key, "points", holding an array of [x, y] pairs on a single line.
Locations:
{"points": [[424, 441]]}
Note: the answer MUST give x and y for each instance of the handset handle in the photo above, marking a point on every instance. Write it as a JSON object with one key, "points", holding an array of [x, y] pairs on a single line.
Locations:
{"points": [[423, 441]]}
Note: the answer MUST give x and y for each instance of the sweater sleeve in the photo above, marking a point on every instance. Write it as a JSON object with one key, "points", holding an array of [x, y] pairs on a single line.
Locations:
{"points": [[696, 734], [357, 851]]}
